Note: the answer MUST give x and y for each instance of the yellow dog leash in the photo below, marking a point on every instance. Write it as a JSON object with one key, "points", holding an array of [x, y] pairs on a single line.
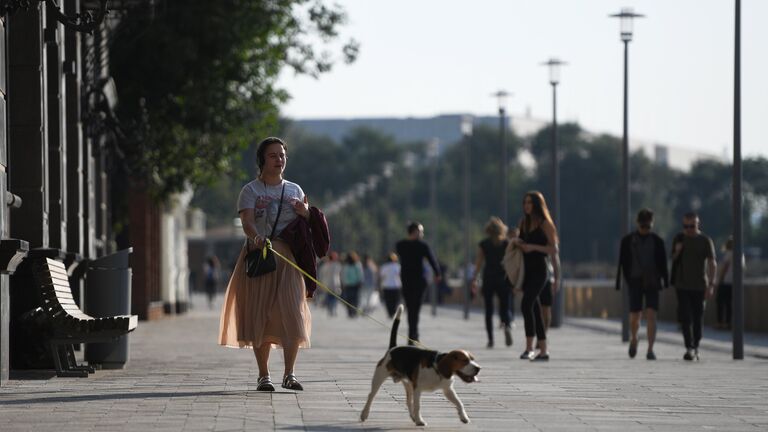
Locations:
{"points": [[330, 291]]}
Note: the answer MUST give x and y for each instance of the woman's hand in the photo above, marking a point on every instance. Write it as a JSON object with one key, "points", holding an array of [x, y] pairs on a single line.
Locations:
{"points": [[555, 285], [256, 243], [302, 208]]}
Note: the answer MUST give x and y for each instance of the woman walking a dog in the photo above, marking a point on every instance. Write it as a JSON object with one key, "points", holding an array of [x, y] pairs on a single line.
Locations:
{"points": [[267, 311], [537, 239]]}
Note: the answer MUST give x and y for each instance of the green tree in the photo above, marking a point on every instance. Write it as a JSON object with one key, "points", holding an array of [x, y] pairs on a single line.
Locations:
{"points": [[196, 80]]}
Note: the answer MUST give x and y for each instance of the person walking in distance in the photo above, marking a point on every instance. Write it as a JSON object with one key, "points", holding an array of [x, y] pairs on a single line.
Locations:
{"points": [[329, 275], [412, 252], [490, 252], [694, 280], [643, 264], [212, 270], [537, 239], [389, 277], [725, 286], [351, 281]]}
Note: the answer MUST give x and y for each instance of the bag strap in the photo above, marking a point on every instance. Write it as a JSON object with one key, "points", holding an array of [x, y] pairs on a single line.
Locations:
{"points": [[279, 209]]}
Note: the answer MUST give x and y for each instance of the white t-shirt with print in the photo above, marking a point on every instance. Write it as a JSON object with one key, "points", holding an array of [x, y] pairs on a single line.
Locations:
{"points": [[264, 200]]}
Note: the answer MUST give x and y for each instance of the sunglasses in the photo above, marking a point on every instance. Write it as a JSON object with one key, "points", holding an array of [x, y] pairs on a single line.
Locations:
{"points": [[645, 226], [687, 226]]}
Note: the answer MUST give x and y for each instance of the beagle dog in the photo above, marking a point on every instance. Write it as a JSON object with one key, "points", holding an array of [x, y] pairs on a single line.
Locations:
{"points": [[421, 370]]}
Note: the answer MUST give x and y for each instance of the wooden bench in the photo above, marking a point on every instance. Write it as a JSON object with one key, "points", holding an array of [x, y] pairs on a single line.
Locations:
{"points": [[67, 324]]}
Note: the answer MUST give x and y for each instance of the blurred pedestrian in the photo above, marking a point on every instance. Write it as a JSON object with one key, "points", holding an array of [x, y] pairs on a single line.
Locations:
{"points": [[538, 238], [490, 252], [212, 272], [369, 294], [329, 275], [547, 296], [443, 289], [725, 286], [694, 281], [270, 310], [643, 264], [412, 252], [351, 281], [389, 275]]}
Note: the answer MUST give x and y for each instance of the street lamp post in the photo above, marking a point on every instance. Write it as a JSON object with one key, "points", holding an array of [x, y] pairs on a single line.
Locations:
{"points": [[501, 97], [432, 153], [466, 132], [738, 234], [554, 65], [626, 16]]}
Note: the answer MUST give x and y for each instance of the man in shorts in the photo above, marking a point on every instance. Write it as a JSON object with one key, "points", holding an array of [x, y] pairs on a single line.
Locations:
{"points": [[643, 263]]}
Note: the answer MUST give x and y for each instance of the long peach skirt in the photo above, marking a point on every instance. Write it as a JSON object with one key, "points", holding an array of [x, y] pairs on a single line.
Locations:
{"points": [[267, 309]]}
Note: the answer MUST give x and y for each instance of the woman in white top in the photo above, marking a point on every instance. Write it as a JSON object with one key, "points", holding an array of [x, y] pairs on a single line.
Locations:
{"points": [[389, 275], [270, 310]]}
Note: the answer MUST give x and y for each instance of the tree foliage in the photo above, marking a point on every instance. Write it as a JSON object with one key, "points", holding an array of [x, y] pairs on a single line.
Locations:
{"points": [[196, 80]]}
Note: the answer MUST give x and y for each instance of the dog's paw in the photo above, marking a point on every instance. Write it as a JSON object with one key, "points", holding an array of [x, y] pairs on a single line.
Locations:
{"points": [[363, 416], [464, 419], [420, 422]]}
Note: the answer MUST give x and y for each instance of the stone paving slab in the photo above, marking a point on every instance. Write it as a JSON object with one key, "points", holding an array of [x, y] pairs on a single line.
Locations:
{"points": [[178, 379]]}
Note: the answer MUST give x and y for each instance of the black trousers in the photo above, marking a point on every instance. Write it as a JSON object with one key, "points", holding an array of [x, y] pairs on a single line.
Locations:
{"points": [[413, 293], [351, 293], [690, 309], [724, 308], [391, 300], [504, 293], [534, 280]]}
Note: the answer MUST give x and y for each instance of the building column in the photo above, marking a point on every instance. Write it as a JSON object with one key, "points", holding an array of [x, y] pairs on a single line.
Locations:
{"points": [[28, 149], [57, 143]]}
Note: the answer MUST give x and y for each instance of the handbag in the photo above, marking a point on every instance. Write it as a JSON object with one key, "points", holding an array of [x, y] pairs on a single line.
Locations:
{"points": [[260, 262]]}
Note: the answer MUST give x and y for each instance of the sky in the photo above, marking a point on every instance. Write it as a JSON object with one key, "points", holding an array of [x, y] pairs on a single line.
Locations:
{"points": [[423, 58]]}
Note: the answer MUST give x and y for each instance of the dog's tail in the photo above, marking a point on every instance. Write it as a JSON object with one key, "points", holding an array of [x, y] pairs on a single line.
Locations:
{"points": [[395, 325]]}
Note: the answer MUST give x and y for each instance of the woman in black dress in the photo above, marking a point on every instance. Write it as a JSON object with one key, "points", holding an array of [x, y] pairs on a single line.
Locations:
{"points": [[537, 239]]}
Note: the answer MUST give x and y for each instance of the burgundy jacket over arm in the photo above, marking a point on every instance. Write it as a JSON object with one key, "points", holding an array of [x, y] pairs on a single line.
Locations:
{"points": [[309, 240]]}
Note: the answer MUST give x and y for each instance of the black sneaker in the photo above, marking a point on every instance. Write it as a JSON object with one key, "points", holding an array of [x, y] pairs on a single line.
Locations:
{"points": [[541, 357], [490, 344], [632, 349], [650, 355], [527, 355]]}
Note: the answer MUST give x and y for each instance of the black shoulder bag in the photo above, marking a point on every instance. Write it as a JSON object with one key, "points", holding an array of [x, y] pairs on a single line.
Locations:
{"points": [[260, 262]]}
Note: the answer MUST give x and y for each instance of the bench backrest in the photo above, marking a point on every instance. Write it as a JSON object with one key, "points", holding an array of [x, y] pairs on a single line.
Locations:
{"points": [[56, 292]]}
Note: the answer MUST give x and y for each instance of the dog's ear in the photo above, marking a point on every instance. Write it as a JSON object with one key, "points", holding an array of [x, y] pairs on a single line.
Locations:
{"points": [[445, 366]]}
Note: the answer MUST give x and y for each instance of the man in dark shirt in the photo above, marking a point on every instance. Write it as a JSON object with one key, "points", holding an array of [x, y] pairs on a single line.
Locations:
{"points": [[412, 252], [643, 262], [693, 256]]}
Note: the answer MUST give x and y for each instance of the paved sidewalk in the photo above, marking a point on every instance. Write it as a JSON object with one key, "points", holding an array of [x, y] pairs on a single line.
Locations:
{"points": [[179, 379]]}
